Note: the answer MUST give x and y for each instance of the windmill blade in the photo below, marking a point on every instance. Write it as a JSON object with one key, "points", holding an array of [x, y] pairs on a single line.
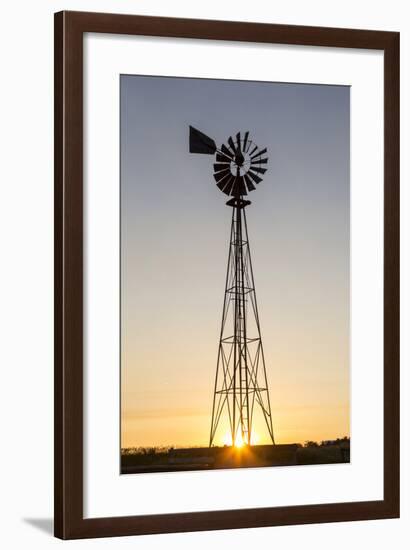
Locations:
{"points": [[249, 145], [221, 157], [260, 161], [249, 184], [238, 187], [226, 184], [200, 143], [219, 167], [255, 178], [220, 175], [226, 152], [253, 150], [224, 180], [245, 141], [259, 153], [231, 144], [259, 170], [238, 141]]}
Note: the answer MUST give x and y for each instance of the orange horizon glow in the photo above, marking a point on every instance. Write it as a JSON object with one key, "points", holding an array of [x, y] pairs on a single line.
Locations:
{"points": [[193, 429]]}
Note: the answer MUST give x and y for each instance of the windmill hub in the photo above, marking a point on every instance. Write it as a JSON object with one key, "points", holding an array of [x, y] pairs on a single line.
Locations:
{"points": [[239, 159]]}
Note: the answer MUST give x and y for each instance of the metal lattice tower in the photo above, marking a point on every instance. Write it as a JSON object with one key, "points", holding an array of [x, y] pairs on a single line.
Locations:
{"points": [[240, 381], [241, 385]]}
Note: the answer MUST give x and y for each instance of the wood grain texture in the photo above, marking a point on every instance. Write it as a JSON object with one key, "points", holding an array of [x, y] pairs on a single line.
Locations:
{"points": [[69, 30]]}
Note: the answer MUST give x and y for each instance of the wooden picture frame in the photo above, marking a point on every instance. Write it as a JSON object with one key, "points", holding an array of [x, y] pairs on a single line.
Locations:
{"points": [[69, 30]]}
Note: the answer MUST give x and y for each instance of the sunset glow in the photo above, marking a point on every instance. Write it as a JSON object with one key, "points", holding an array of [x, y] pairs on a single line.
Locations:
{"points": [[239, 442]]}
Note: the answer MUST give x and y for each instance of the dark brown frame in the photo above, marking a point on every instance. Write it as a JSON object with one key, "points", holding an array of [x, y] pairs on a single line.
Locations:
{"points": [[69, 30]]}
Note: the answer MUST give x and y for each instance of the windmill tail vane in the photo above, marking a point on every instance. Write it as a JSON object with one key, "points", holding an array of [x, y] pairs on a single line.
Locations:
{"points": [[241, 393]]}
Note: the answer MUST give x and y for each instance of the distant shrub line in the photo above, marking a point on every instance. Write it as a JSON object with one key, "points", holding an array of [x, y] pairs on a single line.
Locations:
{"points": [[163, 449]]}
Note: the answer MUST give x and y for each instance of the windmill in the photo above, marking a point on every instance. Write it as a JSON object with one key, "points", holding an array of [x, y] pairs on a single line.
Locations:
{"points": [[241, 385]]}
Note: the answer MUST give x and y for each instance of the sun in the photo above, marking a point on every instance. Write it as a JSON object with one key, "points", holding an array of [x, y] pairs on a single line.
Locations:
{"points": [[227, 440], [239, 441]]}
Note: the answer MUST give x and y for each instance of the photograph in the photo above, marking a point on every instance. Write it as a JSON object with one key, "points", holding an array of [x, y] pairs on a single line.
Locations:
{"points": [[206, 247], [234, 274]]}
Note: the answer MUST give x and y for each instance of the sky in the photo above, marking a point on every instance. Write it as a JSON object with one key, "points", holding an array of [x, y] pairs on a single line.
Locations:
{"points": [[174, 243]]}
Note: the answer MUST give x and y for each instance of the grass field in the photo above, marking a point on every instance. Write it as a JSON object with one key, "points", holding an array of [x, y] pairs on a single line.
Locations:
{"points": [[169, 459]]}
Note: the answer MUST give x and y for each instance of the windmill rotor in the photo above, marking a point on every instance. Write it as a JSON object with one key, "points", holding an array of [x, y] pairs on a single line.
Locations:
{"points": [[238, 162]]}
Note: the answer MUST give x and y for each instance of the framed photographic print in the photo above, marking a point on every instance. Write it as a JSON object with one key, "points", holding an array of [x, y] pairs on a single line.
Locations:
{"points": [[226, 275]]}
